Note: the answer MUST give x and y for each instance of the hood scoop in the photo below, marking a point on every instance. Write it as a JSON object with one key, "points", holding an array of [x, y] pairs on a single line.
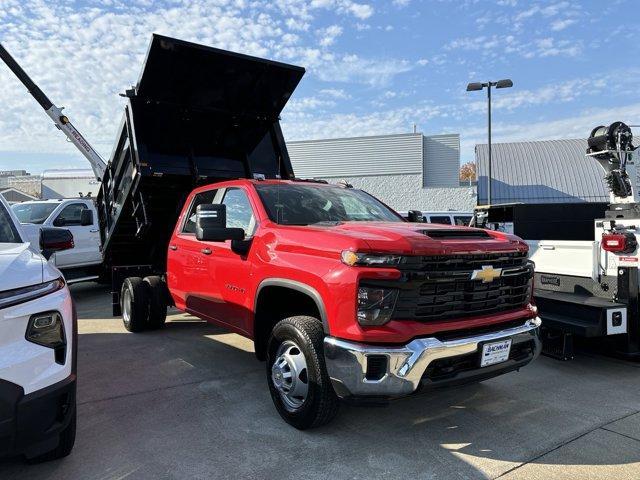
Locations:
{"points": [[447, 234]]}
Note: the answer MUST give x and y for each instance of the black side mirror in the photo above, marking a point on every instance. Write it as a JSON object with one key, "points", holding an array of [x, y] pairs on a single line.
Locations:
{"points": [[415, 216], [55, 240], [211, 224], [59, 222], [86, 218]]}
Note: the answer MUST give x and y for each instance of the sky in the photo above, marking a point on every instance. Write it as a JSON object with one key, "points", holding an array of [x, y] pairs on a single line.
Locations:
{"points": [[372, 67]]}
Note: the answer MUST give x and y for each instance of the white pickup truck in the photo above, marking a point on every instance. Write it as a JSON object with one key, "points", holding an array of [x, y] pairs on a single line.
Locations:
{"points": [[79, 216], [586, 272], [586, 255]]}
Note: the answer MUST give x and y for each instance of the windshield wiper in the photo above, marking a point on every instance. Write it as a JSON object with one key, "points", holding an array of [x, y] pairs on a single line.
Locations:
{"points": [[327, 222]]}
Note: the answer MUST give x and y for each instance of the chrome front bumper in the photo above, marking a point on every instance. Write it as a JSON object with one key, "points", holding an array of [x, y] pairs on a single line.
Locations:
{"points": [[406, 365]]}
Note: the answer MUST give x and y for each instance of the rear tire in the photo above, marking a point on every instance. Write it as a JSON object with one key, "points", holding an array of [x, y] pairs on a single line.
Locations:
{"points": [[157, 290], [65, 445], [134, 302], [296, 373]]}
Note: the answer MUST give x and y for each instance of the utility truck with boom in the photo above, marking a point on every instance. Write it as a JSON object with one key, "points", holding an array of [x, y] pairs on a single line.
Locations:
{"points": [[585, 254], [343, 299]]}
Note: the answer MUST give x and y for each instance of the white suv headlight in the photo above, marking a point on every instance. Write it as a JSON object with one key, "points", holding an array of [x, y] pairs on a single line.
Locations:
{"points": [[9, 298]]}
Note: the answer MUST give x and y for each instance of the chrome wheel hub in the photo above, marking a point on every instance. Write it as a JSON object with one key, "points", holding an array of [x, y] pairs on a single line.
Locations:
{"points": [[289, 375], [126, 306]]}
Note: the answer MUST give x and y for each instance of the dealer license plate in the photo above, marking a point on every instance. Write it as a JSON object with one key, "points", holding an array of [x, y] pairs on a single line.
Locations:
{"points": [[495, 352]]}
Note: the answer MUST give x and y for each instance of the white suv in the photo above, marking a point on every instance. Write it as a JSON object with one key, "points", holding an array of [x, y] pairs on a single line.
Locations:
{"points": [[38, 338]]}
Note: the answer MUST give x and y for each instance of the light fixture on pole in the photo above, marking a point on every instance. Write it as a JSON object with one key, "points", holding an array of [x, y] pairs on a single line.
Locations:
{"points": [[475, 86]]}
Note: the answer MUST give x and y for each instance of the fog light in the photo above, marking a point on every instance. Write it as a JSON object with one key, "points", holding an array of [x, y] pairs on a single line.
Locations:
{"points": [[46, 329], [375, 305]]}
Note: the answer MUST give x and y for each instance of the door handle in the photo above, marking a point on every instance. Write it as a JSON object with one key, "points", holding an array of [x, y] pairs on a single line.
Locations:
{"points": [[548, 247], [173, 247], [206, 251], [93, 231]]}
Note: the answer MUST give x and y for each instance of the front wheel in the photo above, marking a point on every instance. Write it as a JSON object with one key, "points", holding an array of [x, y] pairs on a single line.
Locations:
{"points": [[298, 381]]}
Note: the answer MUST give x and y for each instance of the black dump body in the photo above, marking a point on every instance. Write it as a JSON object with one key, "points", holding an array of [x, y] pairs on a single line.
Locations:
{"points": [[550, 221], [197, 115]]}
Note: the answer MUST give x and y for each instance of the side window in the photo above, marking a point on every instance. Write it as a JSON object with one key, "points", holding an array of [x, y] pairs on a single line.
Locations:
{"points": [[462, 221], [70, 215], [444, 219], [200, 199], [239, 212]]}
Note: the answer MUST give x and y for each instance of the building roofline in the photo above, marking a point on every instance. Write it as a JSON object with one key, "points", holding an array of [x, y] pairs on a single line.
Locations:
{"points": [[368, 137], [493, 144]]}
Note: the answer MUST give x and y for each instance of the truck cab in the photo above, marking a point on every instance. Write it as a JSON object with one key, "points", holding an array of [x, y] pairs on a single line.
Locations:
{"points": [[78, 215]]}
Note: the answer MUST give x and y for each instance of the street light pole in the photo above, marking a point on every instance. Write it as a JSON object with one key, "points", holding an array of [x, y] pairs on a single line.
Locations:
{"points": [[506, 83], [489, 137]]}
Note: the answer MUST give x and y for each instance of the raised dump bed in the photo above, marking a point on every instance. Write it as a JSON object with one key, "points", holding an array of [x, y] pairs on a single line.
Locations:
{"points": [[197, 115]]}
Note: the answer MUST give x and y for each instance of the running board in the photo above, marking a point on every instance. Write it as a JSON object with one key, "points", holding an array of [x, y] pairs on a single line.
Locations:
{"points": [[82, 279]]}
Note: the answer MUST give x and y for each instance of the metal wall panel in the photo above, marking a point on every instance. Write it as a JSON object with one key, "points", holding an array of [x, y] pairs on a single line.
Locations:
{"points": [[540, 172], [442, 160], [359, 156]]}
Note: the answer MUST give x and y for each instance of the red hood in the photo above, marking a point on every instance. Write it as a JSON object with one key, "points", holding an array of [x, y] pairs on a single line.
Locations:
{"points": [[403, 238]]}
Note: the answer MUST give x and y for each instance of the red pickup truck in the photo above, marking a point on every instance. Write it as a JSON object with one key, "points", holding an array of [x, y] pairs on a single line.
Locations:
{"points": [[342, 297]]}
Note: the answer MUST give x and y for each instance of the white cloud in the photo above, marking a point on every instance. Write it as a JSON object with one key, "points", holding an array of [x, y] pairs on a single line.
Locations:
{"points": [[355, 69], [398, 120], [329, 35], [558, 25], [401, 3], [493, 45], [335, 93], [360, 10], [548, 47]]}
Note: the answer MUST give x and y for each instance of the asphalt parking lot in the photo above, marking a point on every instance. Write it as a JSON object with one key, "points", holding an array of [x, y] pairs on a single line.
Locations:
{"points": [[191, 401]]}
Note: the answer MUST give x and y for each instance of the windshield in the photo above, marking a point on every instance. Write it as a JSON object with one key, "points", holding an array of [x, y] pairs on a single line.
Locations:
{"points": [[33, 212], [8, 232], [289, 204]]}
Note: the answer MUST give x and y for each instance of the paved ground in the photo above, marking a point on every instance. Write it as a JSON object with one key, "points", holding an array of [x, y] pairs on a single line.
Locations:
{"points": [[191, 402]]}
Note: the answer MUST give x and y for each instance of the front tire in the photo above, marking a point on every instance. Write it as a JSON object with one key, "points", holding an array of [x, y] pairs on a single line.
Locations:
{"points": [[134, 302], [296, 373]]}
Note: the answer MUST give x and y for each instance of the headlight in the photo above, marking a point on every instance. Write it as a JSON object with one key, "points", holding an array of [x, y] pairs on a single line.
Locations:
{"points": [[9, 298], [375, 305], [369, 259], [47, 329]]}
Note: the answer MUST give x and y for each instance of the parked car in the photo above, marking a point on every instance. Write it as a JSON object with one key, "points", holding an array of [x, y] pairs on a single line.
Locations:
{"points": [[38, 335], [445, 218], [83, 261], [342, 298]]}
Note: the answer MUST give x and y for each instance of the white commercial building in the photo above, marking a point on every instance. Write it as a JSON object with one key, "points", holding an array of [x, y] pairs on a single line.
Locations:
{"points": [[407, 171], [70, 183]]}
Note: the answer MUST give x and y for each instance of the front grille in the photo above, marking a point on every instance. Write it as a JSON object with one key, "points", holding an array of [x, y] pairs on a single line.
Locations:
{"points": [[440, 288]]}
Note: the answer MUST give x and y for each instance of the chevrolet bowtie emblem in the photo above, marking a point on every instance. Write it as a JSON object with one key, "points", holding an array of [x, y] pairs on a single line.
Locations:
{"points": [[486, 274]]}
